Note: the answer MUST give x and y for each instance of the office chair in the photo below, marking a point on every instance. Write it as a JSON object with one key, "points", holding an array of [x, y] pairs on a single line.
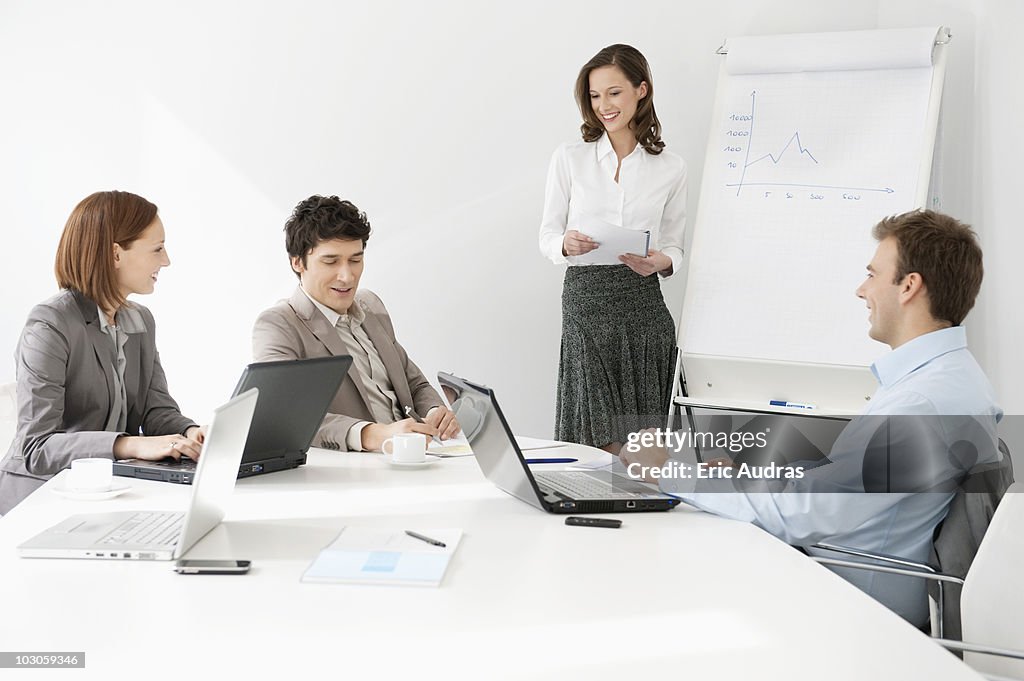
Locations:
{"points": [[992, 599], [955, 541]]}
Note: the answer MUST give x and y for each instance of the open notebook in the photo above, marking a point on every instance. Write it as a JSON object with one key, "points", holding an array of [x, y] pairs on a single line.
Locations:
{"points": [[371, 555]]}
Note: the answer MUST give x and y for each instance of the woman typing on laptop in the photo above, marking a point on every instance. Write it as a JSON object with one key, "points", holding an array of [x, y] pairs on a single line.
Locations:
{"points": [[89, 379]]}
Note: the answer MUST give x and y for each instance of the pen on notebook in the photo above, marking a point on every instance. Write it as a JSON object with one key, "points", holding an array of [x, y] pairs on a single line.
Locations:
{"points": [[791, 405], [413, 415], [434, 542], [552, 460]]}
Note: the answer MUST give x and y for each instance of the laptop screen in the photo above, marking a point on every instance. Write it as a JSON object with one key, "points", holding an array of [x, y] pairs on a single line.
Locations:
{"points": [[218, 468], [493, 442], [294, 397]]}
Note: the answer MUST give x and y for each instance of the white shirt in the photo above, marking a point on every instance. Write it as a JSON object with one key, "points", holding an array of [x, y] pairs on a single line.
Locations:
{"points": [[650, 195]]}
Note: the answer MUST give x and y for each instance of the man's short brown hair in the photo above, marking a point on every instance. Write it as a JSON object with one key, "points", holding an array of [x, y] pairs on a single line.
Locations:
{"points": [[945, 252]]}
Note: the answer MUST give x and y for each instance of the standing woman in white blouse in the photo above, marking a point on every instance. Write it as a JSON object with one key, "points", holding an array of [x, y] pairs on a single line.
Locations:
{"points": [[618, 337]]}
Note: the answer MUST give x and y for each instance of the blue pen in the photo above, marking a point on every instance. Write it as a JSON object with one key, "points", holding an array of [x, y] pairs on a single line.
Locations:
{"points": [[791, 405], [552, 460]]}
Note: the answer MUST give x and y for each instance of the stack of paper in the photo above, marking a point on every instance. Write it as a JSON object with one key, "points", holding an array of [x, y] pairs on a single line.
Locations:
{"points": [[368, 555], [614, 241]]}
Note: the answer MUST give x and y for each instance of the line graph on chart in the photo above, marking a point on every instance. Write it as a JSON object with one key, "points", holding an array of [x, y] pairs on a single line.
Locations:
{"points": [[793, 165]]}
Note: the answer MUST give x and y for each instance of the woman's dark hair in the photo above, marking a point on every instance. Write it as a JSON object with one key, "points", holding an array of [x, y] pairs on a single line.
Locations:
{"points": [[645, 123], [322, 218]]}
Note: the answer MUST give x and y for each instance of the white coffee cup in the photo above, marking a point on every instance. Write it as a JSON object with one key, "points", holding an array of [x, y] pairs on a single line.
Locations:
{"points": [[407, 447], [90, 475]]}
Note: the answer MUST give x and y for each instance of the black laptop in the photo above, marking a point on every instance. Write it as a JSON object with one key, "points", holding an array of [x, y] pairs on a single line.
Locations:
{"points": [[294, 397], [495, 449]]}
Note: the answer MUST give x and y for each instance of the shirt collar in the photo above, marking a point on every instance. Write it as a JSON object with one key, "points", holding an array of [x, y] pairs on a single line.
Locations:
{"points": [[604, 147], [104, 327], [128, 319], [355, 313], [917, 352]]}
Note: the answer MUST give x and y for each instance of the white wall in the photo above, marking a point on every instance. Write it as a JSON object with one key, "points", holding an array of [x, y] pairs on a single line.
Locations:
{"points": [[981, 144], [438, 119]]}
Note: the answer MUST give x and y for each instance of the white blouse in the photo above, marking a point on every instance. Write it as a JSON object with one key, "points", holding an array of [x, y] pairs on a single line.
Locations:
{"points": [[650, 194]]}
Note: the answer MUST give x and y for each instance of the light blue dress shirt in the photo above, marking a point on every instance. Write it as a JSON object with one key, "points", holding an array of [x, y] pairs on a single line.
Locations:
{"points": [[936, 381]]}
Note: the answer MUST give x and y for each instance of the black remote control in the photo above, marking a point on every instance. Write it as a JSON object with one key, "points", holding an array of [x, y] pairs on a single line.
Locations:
{"points": [[593, 522]]}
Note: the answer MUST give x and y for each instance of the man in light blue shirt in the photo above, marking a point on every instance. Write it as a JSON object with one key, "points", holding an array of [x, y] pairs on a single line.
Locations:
{"points": [[892, 472]]}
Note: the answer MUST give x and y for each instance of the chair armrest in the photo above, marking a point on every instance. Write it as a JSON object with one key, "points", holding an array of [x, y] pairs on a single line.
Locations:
{"points": [[976, 648], [882, 557], [921, 570], [933, 575]]}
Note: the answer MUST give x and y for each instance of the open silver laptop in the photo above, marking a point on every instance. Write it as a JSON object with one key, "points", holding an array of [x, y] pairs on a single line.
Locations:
{"points": [[153, 535], [503, 463]]}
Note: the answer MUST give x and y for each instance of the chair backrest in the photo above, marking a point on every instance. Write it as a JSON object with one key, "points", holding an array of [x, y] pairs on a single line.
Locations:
{"points": [[992, 604], [960, 534]]}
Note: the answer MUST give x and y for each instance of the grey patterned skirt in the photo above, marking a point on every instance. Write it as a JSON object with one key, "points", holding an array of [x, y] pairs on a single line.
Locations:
{"points": [[618, 353]]}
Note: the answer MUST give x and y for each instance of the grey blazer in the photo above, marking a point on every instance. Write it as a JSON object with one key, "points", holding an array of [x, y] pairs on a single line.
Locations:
{"points": [[65, 368], [295, 329]]}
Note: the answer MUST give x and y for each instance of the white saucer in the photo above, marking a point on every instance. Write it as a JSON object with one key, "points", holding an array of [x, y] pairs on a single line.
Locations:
{"points": [[429, 461], [115, 490]]}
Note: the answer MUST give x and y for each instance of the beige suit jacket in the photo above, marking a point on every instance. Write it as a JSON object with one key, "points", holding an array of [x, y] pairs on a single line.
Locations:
{"points": [[295, 329]]}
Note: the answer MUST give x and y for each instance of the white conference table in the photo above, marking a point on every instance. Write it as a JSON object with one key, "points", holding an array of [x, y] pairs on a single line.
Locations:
{"points": [[681, 593]]}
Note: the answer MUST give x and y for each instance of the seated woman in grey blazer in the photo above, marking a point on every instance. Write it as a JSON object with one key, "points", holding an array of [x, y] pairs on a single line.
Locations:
{"points": [[89, 380]]}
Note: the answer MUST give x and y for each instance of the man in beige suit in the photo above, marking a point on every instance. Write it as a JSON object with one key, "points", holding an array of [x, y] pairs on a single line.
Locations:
{"points": [[327, 315]]}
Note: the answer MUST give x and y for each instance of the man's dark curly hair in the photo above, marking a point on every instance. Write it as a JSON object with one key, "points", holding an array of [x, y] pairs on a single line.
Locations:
{"points": [[322, 218]]}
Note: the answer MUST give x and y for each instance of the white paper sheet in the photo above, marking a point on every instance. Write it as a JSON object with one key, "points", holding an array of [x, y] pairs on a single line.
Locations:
{"points": [[800, 166], [604, 461], [456, 446], [530, 443], [614, 241]]}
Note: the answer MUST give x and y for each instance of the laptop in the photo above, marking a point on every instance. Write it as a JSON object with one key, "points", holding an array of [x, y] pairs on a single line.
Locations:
{"points": [[294, 397], [154, 535], [502, 462]]}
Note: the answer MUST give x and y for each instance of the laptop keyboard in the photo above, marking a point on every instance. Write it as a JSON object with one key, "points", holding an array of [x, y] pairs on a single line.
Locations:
{"points": [[183, 463], [580, 485], [148, 528]]}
